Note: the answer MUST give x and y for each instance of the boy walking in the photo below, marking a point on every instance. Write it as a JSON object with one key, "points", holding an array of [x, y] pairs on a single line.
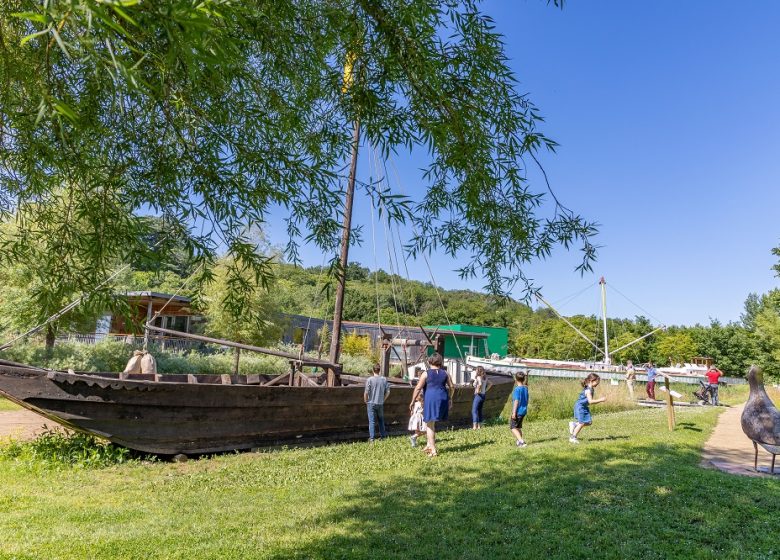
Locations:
{"points": [[377, 389], [519, 409]]}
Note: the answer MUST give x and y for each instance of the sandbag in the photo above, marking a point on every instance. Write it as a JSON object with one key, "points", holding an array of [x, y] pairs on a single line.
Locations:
{"points": [[134, 365], [148, 363]]}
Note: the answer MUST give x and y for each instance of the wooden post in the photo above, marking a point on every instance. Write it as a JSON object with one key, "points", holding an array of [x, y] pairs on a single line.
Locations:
{"points": [[236, 360], [148, 318], [669, 404], [439, 344], [387, 347]]}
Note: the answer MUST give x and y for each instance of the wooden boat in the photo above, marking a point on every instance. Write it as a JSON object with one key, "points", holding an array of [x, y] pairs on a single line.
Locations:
{"points": [[194, 414]]}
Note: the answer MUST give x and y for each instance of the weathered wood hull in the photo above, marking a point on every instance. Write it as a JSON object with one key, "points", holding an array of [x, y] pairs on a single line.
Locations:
{"points": [[166, 417]]}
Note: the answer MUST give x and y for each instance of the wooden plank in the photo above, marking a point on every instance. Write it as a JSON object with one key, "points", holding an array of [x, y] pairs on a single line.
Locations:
{"points": [[277, 380], [293, 357], [305, 380], [226, 379], [191, 378]]}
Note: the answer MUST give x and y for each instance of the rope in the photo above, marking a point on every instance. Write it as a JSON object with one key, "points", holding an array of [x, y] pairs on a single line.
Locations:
{"points": [[612, 287], [428, 265], [62, 311], [170, 299]]}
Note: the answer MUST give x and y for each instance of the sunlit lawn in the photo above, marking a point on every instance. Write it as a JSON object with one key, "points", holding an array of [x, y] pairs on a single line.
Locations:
{"points": [[631, 489], [5, 405]]}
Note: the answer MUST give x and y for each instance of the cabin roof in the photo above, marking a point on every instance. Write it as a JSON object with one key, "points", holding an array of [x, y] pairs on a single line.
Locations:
{"points": [[358, 324], [158, 296]]}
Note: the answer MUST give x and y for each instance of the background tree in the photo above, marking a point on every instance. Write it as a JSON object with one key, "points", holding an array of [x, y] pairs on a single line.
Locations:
{"points": [[258, 322], [43, 269], [675, 346], [212, 115]]}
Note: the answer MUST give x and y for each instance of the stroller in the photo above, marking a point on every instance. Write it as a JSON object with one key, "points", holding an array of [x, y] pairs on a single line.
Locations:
{"points": [[704, 394]]}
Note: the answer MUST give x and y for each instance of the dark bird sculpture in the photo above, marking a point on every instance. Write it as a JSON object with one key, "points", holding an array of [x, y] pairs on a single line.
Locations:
{"points": [[761, 419]]}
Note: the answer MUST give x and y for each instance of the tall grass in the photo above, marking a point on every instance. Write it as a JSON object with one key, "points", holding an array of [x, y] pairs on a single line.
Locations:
{"points": [[553, 399], [112, 355]]}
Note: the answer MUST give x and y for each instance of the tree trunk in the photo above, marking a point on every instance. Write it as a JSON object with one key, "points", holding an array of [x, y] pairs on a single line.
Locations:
{"points": [[51, 334]]}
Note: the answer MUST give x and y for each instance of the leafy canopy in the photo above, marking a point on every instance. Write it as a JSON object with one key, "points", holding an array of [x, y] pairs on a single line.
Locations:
{"points": [[218, 115]]}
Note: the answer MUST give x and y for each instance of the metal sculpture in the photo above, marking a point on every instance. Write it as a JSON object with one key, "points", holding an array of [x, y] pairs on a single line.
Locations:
{"points": [[761, 419]]}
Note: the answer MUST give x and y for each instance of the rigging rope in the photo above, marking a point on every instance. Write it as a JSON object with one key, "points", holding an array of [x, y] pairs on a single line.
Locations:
{"points": [[62, 311]]}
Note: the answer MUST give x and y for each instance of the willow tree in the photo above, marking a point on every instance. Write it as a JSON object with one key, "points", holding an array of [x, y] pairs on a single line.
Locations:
{"points": [[218, 114]]}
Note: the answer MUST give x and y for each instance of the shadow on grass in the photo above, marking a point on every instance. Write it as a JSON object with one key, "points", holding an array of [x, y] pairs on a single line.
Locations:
{"points": [[688, 426], [605, 438], [593, 501], [466, 446]]}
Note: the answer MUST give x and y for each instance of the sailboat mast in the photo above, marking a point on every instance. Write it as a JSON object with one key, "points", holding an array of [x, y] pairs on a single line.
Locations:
{"points": [[603, 284], [335, 342]]}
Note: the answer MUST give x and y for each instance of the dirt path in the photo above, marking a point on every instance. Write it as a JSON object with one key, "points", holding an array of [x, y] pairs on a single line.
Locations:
{"points": [[22, 424], [730, 450]]}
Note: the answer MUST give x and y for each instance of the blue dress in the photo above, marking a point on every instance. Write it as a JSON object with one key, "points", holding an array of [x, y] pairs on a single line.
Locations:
{"points": [[582, 408], [437, 398]]}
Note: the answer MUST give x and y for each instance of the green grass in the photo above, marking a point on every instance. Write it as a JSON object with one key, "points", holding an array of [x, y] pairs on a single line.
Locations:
{"points": [[554, 398], [6, 405], [631, 489]]}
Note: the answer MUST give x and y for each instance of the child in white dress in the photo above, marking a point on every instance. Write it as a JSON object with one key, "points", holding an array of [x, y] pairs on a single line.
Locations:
{"points": [[416, 423]]}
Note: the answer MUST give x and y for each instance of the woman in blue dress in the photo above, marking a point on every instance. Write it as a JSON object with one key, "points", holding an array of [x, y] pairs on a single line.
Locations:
{"points": [[438, 389]]}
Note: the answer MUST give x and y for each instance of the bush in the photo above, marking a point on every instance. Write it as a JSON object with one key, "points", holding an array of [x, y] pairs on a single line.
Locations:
{"points": [[59, 448], [112, 355], [357, 345]]}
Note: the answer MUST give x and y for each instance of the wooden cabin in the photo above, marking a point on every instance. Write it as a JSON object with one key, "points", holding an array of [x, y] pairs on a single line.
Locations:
{"points": [[176, 315]]}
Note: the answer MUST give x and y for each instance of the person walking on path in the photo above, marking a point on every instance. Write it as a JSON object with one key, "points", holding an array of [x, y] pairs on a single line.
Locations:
{"points": [[519, 408], [377, 389], [481, 386], [437, 389], [630, 379], [713, 374], [651, 375], [582, 415]]}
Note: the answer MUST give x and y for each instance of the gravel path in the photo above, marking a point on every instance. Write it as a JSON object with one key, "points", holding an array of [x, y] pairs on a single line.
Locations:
{"points": [[22, 424]]}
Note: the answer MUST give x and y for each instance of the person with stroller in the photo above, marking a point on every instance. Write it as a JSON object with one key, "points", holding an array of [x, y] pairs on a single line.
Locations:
{"points": [[712, 375]]}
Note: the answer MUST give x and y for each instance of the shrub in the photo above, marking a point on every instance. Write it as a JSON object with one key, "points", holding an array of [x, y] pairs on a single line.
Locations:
{"points": [[58, 448], [357, 345]]}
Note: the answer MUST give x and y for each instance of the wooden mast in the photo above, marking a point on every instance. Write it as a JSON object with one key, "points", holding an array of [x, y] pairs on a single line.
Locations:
{"points": [[335, 340], [603, 283]]}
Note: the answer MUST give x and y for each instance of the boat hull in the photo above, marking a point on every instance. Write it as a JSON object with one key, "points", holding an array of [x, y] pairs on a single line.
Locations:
{"points": [[192, 418]]}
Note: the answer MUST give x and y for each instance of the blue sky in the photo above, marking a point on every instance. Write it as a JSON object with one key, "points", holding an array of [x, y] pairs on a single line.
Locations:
{"points": [[669, 129]]}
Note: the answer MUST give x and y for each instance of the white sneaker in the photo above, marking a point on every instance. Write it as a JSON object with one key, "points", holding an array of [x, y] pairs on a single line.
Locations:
{"points": [[522, 444], [572, 425], [573, 439]]}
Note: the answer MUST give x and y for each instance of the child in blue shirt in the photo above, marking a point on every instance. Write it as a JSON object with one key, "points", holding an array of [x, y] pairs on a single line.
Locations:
{"points": [[519, 408]]}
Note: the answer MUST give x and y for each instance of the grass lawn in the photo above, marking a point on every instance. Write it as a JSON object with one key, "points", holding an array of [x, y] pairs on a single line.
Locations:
{"points": [[5, 404], [631, 489]]}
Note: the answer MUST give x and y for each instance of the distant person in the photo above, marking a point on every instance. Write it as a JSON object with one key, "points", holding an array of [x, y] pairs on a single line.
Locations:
{"points": [[481, 386], [519, 408], [713, 375], [582, 415], [651, 375], [416, 422], [438, 390], [377, 389], [630, 378]]}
